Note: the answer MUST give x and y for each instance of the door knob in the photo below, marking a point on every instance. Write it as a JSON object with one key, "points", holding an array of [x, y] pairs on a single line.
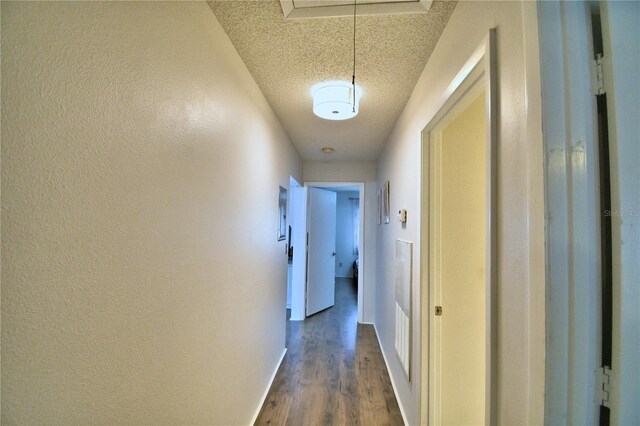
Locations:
{"points": [[333, 253]]}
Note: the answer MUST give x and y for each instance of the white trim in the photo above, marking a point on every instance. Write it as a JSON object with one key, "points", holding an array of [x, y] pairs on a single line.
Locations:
{"points": [[266, 392], [393, 383], [291, 12], [491, 94], [535, 213], [298, 238], [573, 319], [362, 249], [620, 34]]}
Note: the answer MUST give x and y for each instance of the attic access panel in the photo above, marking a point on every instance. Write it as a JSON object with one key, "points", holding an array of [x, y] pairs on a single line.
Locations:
{"points": [[330, 8]]}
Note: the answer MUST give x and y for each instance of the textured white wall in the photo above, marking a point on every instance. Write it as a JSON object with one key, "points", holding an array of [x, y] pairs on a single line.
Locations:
{"points": [[400, 164], [344, 234], [140, 173], [355, 172]]}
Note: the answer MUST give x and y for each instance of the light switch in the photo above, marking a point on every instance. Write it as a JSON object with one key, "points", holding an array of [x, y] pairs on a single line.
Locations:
{"points": [[402, 215]]}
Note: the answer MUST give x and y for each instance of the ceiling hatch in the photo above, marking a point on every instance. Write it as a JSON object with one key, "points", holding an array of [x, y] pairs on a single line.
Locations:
{"points": [[330, 8]]}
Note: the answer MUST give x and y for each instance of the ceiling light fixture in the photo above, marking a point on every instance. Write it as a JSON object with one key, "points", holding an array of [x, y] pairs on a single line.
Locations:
{"points": [[327, 150], [334, 100], [338, 100]]}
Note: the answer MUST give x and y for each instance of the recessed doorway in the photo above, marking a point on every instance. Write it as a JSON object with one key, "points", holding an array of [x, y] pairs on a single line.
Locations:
{"points": [[347, 264], [458, 236]]}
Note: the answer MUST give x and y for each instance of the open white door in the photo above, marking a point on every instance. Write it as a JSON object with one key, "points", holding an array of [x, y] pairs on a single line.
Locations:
{"points": [[321, 228]]}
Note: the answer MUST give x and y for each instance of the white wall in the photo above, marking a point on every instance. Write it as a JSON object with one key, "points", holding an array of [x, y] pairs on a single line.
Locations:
{"points": [[140, 173], [356, 172], [344, 234], [400, 164]]}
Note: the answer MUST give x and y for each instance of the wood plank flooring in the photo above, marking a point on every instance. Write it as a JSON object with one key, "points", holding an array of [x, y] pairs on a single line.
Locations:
{"points": [[333, 372]]}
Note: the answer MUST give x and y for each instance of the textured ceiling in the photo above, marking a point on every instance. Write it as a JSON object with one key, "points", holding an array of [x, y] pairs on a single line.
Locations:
{"points": [[288, 56]]}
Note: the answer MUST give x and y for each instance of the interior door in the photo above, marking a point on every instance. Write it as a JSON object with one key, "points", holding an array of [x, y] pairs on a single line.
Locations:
{"points": [[321, 251], [458, 215]]}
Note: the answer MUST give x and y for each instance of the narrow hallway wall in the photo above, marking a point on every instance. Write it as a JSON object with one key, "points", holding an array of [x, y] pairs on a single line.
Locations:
{"points": [[142, 282], [400, 163]]}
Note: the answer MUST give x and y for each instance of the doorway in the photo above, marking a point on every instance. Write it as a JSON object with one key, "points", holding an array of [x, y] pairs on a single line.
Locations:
{"points": [[458, 180], [348, 263], [347, 237]]}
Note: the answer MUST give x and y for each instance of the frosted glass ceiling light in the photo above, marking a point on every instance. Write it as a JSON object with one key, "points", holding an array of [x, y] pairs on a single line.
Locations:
{"points": [[335, 100], [338, 100]]}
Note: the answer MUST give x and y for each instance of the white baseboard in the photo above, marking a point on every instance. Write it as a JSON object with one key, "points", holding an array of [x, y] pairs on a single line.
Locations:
{"points": [[266, 392], [393, 383]]}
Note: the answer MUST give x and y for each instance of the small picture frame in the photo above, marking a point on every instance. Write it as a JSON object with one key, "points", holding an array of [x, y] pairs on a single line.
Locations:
{"points": [[380, 206], [282, 214], [386, 203]]}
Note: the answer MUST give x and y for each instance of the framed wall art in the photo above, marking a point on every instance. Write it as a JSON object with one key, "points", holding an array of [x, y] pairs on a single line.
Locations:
{"points": [[386, 204], [379, 206], [282, 214]]}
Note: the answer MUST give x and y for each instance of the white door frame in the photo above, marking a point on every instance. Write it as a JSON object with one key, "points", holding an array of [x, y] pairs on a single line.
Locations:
{"points": [[362, 248], [293, 184], [621, 34], [298, 201], [575, 378], [572, 216], [479, 69]]}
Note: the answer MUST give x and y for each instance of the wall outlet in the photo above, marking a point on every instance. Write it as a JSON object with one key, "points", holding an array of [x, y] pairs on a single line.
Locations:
{"points": [[339, 264]]}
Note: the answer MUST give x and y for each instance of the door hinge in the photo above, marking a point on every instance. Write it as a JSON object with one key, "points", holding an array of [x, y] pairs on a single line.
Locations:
{"points": [[598, 64], [604, 382]]}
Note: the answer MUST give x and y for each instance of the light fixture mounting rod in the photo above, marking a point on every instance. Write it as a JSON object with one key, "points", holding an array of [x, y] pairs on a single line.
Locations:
{"points": [[353, 77]]}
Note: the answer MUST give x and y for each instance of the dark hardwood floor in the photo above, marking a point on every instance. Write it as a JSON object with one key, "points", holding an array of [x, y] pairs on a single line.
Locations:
{"points": [[333, 372]]}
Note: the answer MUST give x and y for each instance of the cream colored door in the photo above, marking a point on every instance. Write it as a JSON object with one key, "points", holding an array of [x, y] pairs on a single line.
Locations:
{"points": [[457, 264]]}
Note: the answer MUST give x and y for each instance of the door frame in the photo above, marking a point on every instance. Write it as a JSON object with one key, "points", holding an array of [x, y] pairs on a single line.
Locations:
{"points": [[619, 29], [572, 219], [575, 375], [362, 248], [298, 214], [480, 68]]}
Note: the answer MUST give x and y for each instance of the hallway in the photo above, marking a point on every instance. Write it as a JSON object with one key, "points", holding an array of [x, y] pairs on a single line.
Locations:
{"points": [[333, 372], [147, 148]]}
